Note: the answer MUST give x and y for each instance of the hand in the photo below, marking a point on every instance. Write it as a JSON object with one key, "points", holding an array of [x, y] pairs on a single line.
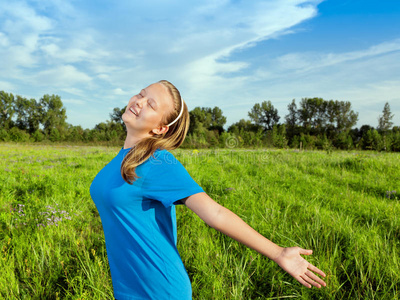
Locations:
{"points": [[291, 261]]}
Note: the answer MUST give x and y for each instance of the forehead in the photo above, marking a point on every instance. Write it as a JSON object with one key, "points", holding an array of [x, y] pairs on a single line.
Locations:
{"points": [[159, 93]]}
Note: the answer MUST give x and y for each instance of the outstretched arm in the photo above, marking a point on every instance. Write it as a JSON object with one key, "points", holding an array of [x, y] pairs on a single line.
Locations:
{"points": [[225, 221]]}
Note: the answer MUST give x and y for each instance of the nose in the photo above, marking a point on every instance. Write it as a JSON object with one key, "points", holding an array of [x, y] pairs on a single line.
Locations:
{"points": [[139, 102]]}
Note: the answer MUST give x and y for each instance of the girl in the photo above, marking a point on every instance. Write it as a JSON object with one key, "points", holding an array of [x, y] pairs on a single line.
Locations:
{"points": [[135, 195]]}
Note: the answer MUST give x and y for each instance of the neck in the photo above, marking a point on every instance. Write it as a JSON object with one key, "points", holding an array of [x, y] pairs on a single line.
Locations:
{"points": [[132, 139]]}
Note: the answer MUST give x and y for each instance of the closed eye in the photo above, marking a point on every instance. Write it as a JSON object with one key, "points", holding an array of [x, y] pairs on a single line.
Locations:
{"points": [[150, 104]]}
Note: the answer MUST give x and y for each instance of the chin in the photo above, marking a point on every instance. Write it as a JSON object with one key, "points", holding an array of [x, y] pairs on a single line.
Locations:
{"points": [[125, 118]]}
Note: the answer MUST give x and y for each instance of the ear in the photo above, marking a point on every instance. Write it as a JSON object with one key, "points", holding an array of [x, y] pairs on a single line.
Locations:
{"points": [[160, 130]]}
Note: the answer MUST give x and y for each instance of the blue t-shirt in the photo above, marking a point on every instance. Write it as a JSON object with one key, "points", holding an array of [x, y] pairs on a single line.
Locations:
{"points": [[139, 224]]}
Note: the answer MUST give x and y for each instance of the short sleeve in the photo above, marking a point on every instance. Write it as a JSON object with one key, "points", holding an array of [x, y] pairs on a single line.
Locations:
{"points": [[167, 180]]}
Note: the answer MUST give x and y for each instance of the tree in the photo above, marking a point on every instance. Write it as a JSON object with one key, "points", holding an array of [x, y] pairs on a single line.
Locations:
{"points": [[117, 122], [243, 125], [312, 115], [206, 118], [6, 110], [321, 116], [346, 118], [357, 134], [53, 114], [292, 117], [116, 115], [28, 114], [385, 120], [200, 120], [265, 115], [292, 121], [217, 120]]}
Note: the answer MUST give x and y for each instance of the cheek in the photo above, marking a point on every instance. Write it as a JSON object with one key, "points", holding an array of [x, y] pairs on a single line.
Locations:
{"points": [[155, 119]]}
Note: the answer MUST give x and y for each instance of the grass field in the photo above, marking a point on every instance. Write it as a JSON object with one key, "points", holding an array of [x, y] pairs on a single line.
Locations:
{"points": [[343, 205]]}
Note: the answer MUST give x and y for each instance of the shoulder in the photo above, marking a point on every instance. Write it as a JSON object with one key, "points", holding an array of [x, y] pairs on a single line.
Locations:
{"points": [[163, 157], [163, 164]]}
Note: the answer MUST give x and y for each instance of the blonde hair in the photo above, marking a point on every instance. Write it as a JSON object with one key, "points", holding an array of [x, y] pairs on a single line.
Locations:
{"points": [[169, 140]]}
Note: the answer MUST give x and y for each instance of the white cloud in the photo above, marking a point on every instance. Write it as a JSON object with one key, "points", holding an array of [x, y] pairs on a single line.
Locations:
{"points": [[367, 78], [104, 76], [85, 53], [272, 17], [305, 62], [61, 76], [73, 91], [232, 28], [69, 55], [20, 17], [225, 28], [74, 101], [7, 86], [21, 29], [201, 33], [50, 49], [4, 42], [119, 91]]}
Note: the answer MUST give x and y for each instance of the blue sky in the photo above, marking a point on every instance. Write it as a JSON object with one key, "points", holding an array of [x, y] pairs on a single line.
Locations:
{"points": [[230, 54]]}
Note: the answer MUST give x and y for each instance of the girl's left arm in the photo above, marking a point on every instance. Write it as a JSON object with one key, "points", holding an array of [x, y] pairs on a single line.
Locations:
{"points": [[225, 221]]}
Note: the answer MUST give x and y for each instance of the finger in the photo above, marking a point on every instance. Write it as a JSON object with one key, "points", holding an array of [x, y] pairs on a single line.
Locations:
{"points": [[316, 270], [303, 282], [309, 281], [314, 277], [305, 252]]}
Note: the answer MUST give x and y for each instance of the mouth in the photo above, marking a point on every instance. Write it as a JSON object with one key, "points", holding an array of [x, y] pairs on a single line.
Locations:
{"points": [[132, 110]]}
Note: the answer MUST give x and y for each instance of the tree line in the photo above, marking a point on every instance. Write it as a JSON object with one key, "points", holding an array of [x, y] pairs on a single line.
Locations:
{"points": [[313, 123]]}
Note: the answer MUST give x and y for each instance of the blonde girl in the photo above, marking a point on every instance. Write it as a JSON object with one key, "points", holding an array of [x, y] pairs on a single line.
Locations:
{"points": [[136, 194]]}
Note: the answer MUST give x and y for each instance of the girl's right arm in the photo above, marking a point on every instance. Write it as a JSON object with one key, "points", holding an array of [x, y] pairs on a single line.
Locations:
{"points": [[225, 221]]}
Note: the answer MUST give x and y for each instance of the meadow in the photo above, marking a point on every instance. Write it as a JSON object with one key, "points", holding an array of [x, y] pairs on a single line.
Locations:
{"points": [[343, 205]]}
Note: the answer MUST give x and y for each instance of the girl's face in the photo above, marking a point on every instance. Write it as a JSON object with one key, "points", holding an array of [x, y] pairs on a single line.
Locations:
{"points": [[146, 110]]}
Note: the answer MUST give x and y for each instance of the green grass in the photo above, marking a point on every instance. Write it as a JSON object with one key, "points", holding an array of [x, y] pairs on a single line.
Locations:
{"points": [[342, 205]]}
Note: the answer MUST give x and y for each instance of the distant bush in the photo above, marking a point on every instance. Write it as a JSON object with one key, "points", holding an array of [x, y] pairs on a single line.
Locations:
{"points": [[18, 135], [38, 136], [4, 136]]}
